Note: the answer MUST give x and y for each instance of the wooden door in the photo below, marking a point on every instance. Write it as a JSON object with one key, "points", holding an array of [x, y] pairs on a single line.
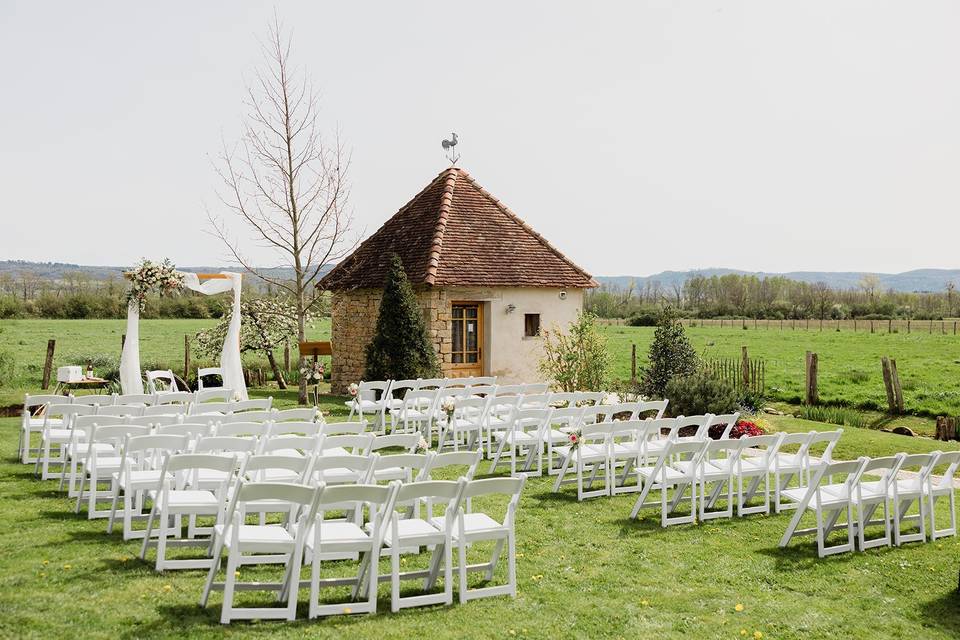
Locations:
{"points": [[467, 336]]}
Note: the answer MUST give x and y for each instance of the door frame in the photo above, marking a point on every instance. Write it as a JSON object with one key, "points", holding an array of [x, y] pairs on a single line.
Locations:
{"points": [[478, 366]]}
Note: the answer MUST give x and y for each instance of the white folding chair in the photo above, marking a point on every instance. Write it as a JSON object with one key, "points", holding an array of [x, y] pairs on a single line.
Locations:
{"points": [[126, 410], [94, 399], [372, 400], [829, 495], [56, 432], [342, 428], [523, 438], [404, 467], [143, 399], [412, 532], [475, 527], [248, 416], [140, 471], [205, 372], [790, 465], [290, 445], [297, 415], [80, 444], [251, 405], [210, 408], [99, 465], [219, 394], [247, 544], [589, 453], [870, 494], [754, 464], [662, 476], [910, 489], [343, 469], [416, 412], [407, 442], [176, 498], [162, 382], [33, 421], [561, 423], [717, 467], [165, 410], [345, 537], [657, 407], [173, 398], [466, 424], [627, 448], [354, 444], [294, 427], [249, 429], [723, 423], [942, 486], [499, 416]]}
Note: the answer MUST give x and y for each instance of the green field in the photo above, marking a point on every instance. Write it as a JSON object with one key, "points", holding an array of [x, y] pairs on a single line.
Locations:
{"points": [[850, 373], [584, 570]]}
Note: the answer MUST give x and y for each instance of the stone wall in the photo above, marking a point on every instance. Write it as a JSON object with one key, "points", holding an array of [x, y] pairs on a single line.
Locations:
{"points": [[354, 322]]}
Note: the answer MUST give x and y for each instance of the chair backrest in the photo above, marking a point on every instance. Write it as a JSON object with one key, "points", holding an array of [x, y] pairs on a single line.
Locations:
{"points": [[297, 415], [508, 487], [723, 423], [209, 408], [342, 428], [192, 429], [765, 447], [433, 491], [358, 444], [567, 417], [472, 410], [412, 464], [94, 400], [254, 404], [256, 429], [88, 421], [154, 421], [219, 394], [949, 460], [534, 400], [483, 390], [470, 460], [373, 391], [166, 410], [632, 431], [146, 399], [399, 388], [116, 435], [185, 466], [922, 465], [224, 444], [121, 410], [840, 476], [173, 398], [563, 399], [695, 426], [362, 465], [484, 381], [299, 502], [205, 372], [663, 429], [298, 428], [534, 388], [255, 466], [620, 411], [588, 398], [248, 416], [432, 383], [419, 399], [31, 402], [307, 445], [406, 441], [827, 438], [161, 382], [879, 472], [505, 390], [532, 421], [66, 412], [656, 407], [145, 451], [355, 497]]}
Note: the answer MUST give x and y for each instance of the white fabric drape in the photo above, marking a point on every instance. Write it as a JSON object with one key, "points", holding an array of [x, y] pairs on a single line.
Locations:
{"points": [[130, 380], [130, 377], [230, 355]]}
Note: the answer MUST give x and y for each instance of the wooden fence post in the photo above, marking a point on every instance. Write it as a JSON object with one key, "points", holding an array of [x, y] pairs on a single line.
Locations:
{"points": [[908, 325], [745, 367], [812, 397], [186, 357], [48, 364], [897, 389], [888, 385], [633, 363]]}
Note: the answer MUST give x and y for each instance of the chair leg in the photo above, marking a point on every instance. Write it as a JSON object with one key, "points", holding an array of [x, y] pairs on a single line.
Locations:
{"points": [[212, 574], [228, 583]]}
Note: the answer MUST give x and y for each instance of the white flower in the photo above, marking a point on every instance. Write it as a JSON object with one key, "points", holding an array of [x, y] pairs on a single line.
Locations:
{"points": [[611, 398], [449, 404], [423, 445], [353, 388]]}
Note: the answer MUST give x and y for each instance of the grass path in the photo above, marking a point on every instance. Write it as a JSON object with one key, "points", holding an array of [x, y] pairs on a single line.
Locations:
{"points": [[584, 570]]}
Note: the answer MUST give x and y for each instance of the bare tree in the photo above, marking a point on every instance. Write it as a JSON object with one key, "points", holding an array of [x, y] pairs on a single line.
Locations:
{"points": [[285, 183]]}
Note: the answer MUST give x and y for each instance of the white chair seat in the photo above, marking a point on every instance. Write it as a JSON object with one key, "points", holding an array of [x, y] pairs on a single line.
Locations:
{"points": [[555, 436], [82, 448], [584, 451], [143, 479], [750, 465], [58, 435], [39, 422], [277, 475], [473, 523], [187, 499], [270, 535], [414, 528], [338, 533], [626, 448], [364, 405], [670, 472], [516, 437], [339, 475]]}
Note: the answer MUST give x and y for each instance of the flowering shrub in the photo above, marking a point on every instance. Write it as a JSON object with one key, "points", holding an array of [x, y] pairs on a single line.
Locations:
{"points": [[149, 276], [742, 428], [313, 373]]}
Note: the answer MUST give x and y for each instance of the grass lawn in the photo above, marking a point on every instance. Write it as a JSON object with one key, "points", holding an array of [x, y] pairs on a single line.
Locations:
{"points": [[584, 570], [929, 364]]}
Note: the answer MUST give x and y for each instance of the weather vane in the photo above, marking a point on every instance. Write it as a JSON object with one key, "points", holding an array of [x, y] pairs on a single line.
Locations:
{"points": [[450, 147]]}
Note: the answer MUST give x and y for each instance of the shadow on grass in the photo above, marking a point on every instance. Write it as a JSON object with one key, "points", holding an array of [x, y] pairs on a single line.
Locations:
{"points": [[944, 611]]}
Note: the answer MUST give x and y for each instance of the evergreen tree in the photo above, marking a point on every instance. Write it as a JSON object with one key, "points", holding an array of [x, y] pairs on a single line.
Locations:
{"points": [[401, 347], [671, 356]]}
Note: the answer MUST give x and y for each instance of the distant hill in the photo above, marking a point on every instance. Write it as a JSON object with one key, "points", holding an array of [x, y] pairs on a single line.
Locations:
{"points": [[917, 280]]}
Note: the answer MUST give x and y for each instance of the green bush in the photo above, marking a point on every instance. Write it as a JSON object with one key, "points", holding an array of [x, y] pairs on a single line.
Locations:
{"points": [[11, 307], [644, 319], [576, 360], [671, 356], [700, 393], [400, 347]]}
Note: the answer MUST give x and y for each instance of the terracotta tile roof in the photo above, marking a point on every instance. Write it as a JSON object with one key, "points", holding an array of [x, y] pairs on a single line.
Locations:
{"points": [[455, 233]]}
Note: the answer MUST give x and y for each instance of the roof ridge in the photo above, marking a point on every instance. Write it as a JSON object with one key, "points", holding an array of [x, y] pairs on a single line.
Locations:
{"points": [[436, 247], [518, 220]]}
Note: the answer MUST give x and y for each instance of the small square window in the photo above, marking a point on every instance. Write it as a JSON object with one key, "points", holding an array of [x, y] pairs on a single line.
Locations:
{"points": [[531, 325]]}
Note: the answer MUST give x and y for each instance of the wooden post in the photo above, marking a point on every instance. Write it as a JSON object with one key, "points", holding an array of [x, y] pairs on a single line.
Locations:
{"points": [[123, 341], [48, 364], [897, 389], [889, 325], [888, 385], [871, 326], [941, 429], [633, 363], [186, 357], [908, 325], [745, 367], [812, 396], [854, 325], [286, 356]]}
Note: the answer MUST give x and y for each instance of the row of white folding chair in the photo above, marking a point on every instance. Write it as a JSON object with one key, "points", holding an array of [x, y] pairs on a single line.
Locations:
{"points": [[420, 407], [378, 396], [310, 533], [859, 489]]}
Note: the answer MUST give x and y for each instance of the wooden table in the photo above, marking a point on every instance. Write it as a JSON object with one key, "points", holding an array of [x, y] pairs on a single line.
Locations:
{"points": [[95, 384]]}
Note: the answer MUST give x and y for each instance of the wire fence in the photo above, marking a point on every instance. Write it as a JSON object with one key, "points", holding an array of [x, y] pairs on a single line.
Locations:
{"points": [[942, 327]]}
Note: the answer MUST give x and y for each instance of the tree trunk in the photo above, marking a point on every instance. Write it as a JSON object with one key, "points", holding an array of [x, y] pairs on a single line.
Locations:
{"points": [[277, 373]]}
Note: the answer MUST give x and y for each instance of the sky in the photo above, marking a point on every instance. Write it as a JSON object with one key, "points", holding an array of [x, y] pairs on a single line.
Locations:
{"points": [[636, 136]]}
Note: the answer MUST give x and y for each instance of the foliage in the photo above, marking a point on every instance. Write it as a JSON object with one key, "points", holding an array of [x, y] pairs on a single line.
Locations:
{"points": [[700, 393], [7, 369], [671, 355], [400, 347], [743, 428], [266, 323], [577, 360], [841, 416], [152, 276], [644, 319]]}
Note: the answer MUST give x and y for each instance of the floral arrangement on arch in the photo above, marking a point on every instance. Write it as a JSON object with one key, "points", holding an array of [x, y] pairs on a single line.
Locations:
{"points": [[152, 276]]}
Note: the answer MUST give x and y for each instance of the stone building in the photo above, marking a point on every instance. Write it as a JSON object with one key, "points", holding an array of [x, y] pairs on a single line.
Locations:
{"points": [[487, 283]]}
